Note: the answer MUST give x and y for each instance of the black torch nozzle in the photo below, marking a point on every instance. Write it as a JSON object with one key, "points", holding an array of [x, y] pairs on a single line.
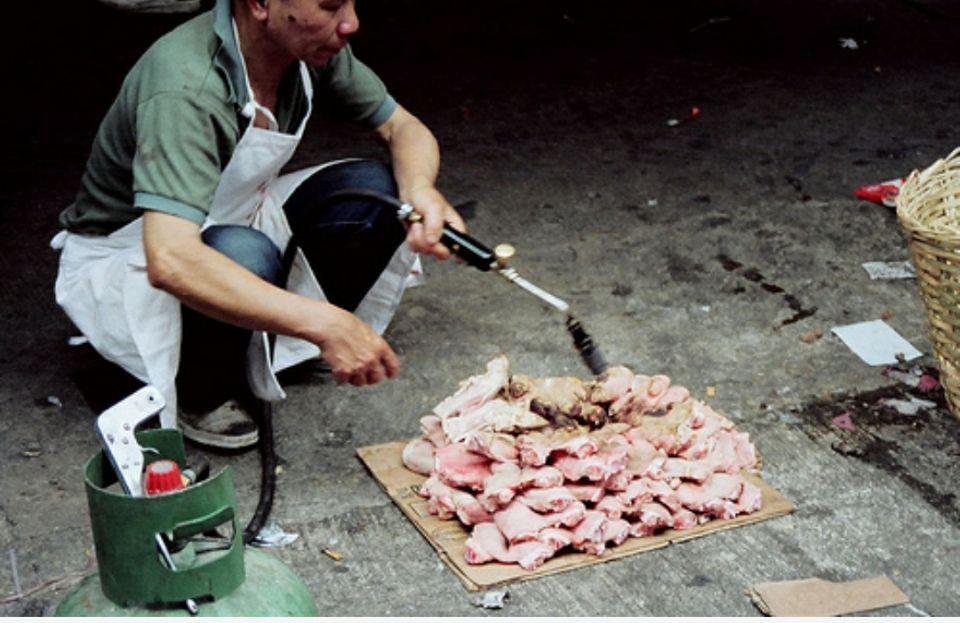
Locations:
{"points": [[585, 345]]}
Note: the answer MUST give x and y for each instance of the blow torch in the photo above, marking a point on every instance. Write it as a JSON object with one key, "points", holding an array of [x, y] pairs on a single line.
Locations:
{"points": [[481, 257]]}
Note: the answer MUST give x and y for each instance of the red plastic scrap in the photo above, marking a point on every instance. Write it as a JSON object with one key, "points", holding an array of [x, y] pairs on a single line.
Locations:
{"points": [[844, 421], [928, 383], [884, 193]]}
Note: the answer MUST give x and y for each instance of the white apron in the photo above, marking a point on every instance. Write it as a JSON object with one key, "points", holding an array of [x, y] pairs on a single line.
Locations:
{"points": [[102, 282]]}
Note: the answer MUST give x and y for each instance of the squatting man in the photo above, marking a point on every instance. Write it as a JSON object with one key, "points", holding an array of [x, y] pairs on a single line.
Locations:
{"points": [[172, 256]]}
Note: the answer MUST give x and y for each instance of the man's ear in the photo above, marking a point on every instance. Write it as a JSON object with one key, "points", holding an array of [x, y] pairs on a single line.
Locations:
{"points": [[257, 8]]}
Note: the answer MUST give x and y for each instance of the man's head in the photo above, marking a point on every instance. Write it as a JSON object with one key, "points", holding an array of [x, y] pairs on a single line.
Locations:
{"points": [[309, 30]]}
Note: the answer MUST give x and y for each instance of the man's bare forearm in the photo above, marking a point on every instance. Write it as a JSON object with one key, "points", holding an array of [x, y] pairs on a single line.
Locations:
{"points": [[179, 263], [415, 156], [416, 162]]}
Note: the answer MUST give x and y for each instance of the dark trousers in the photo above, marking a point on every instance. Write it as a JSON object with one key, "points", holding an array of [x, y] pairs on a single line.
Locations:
{"points": [[348, 244]]}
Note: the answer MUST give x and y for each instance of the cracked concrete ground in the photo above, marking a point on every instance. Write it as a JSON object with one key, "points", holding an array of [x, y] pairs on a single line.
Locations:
{"points": [[552, 119]]}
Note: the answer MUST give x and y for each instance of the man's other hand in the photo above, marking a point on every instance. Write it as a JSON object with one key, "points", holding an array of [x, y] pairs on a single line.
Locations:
{"points": [[355, 352]]}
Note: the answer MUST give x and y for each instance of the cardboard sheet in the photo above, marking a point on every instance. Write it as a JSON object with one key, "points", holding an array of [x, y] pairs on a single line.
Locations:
{"points": [[814, 597], [448, 537]]}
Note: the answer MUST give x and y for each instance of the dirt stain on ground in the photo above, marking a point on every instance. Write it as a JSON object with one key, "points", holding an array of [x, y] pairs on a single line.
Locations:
{"points": [[755, 276], [752, 274], [728, 264], [881, 431], [801, 311]]}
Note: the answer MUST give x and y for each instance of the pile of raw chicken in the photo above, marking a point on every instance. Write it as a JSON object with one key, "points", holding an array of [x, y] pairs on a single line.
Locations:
{"points": [[536, 465]]}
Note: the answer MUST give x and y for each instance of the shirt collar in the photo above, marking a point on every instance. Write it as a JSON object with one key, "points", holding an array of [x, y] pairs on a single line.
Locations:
{"points": [[227, 56]]}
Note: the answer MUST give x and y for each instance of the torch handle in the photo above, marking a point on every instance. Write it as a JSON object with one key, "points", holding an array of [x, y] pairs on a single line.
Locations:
{"points": [[468, 248]]}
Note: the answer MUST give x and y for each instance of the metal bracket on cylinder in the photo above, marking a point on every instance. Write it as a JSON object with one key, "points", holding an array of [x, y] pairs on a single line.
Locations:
{"points": [[115, 428]]}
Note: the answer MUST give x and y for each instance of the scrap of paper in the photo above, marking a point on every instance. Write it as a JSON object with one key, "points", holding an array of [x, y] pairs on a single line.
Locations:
{"points": [[875, 342], [890, 270]]}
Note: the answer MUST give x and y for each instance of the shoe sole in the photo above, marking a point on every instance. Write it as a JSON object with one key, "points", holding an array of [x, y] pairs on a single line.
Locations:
{"points": [[227, 442]]}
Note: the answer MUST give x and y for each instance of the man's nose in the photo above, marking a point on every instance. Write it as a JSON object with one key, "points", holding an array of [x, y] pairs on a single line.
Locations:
{"points": [[349, 23]]}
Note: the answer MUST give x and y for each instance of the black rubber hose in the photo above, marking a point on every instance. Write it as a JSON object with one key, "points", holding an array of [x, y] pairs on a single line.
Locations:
{"points": [[350, 193], [267, 446], [268, 472], [361, 193]]}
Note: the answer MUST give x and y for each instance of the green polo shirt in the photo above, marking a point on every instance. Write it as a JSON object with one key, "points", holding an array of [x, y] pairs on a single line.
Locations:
{"points": [[176, 121]]}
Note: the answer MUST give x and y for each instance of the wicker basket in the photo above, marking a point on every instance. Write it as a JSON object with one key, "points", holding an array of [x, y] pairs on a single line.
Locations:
{"points": [[929, 210]]}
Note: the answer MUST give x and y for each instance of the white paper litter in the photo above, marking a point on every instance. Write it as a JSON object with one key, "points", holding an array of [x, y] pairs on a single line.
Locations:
{"points": [[493, 600], [907, 378], [890, 270], [789, 418], [908, 407], [272, 535], [848, 43], [17, 588], [875, 342]]}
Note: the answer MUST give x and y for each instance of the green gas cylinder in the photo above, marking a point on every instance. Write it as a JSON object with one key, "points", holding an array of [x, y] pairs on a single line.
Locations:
{"points": [[218, 573]]}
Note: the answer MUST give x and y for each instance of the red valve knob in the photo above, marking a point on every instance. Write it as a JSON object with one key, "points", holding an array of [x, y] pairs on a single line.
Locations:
{"points": [[162, 477]]}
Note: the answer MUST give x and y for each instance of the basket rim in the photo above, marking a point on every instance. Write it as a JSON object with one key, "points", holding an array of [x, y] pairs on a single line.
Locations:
{"points": [[916, 184]]}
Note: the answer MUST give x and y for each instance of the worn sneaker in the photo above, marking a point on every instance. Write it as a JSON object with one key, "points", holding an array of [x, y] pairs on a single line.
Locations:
{"points": [[229, 426]]}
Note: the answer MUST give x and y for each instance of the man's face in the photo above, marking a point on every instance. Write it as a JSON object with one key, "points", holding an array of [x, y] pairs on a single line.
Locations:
{"points": [[312, 30]]}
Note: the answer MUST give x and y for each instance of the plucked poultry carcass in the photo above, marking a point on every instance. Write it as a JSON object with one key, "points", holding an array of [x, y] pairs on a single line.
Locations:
{"points": [[537, 466]]}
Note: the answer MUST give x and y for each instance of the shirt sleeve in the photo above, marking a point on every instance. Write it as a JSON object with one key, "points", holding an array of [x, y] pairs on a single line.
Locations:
{"points": [[351, 90], [180, 148]]}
